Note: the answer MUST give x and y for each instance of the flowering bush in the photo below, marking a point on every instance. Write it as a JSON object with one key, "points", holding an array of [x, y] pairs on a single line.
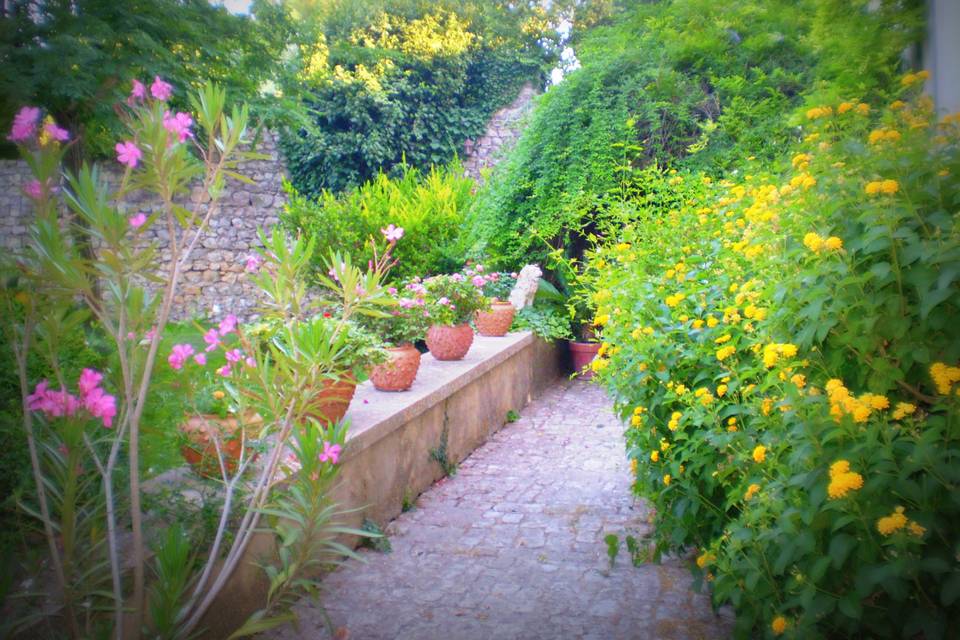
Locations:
{"points": [[497, 285], [405, 321], [452, 299], [785, 350]]}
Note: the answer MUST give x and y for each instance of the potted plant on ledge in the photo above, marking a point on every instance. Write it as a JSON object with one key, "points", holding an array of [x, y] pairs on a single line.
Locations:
{"points": [[452, 300], [399, 328], [496, 287]]}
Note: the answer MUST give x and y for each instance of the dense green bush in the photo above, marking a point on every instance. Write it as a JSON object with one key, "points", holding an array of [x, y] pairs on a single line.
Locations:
{"points": [[786, 351], [430, 207], [407, 83]]}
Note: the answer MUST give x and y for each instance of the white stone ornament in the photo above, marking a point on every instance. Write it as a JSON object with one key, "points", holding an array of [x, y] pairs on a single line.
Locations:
{"points": [[525, 290]]}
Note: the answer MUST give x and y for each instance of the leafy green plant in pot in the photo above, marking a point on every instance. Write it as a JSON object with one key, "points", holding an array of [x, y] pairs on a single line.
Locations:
{"points": [[452, 300], [576, 279], [496, 287], [399, 328]]}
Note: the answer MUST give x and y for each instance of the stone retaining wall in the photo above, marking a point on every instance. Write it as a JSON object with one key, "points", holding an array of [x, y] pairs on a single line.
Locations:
{"points": [[502, 132]]}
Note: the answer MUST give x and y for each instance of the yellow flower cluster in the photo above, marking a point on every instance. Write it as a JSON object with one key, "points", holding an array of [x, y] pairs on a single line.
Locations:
{"points": [[801, 161], [752, 490], [944, 377], [903, 410], [888, 525], [599, 364], [706, 558], [731, 424], [779, 625], [803, 180], [725, 352], [675, 299], [703, 394], [819, 112], [883, 135], [636, 333], [886, 187], [774, 351], [861, 107], [816, 242], [674, 421], [759, 453], [667, 479], [914, 78], [655, 455], [842, 480], [601, 320], [843, 403]]}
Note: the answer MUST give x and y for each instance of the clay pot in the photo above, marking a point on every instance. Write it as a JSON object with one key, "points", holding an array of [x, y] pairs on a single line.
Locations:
{"points": [[449, 342], [332, 399], [582, 354], [399, 372], [200, 452], [496, 322]]}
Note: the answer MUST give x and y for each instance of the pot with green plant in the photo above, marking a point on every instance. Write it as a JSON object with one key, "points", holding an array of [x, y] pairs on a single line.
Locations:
{"points": [[399, 328], [577, 280], [452, 300], [495, 322]]}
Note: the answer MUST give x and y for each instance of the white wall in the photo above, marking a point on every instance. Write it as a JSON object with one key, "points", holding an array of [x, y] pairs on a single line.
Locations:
{"points": [[942, 54]]}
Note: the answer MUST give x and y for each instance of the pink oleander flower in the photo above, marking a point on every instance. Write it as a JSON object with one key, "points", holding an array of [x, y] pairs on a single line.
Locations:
{"points": [[479, 281], [24, 124], [234, 355], [392, 291], [37, 399], [212, 338], [101, 405], [200, 358], [89, 380], [33, 190], [128, 153], [138, 220], [179, 354], [161, 90], [54, 404], [228, 325], [407, 303], [392, 233], [225, 371], [330, 453], [57, 133], [138, 92], [253, 263], [178, 124]]}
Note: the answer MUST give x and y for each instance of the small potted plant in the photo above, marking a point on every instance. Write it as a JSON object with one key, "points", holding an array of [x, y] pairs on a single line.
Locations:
{"points": [[452, 300], [496, 287], [576, 281], [216, 426], [399, 328]]}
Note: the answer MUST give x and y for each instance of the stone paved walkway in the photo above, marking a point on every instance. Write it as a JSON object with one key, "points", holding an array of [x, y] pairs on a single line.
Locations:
{"points": [[512, 546]]}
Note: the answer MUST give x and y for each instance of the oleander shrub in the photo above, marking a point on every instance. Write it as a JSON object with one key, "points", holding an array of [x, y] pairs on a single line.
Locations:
{"points": [[428, 205], [786, 351]]}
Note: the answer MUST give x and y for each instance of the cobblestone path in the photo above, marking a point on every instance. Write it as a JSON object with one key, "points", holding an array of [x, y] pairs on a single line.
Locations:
{"points": [[512, 546]]}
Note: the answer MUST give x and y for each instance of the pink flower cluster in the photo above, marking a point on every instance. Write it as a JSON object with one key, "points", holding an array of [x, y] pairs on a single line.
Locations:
{"points": [[178, 124], [57, 404], [392, 233], [180, 353], [159, 90], [24, 124], [330, 453]]}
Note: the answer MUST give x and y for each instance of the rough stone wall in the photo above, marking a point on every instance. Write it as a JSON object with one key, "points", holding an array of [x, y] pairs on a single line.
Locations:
{"points": [[213, 284], [502, 131]]}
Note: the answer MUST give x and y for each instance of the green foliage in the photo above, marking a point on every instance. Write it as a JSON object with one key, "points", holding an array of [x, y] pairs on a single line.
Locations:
{"points": [[396, 82], [549, 322], [77, 58], [689, 83], [430, 207], [788, 368]]}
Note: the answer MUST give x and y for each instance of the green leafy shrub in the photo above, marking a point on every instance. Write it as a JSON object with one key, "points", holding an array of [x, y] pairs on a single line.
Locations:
{"points": [[429, 206], [785, 349], [408, 83]]}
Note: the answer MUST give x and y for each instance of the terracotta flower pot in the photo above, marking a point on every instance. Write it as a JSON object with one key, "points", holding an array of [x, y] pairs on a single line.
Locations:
{"points": [[199, 450], [582, 354], [332, 399], [449, 342], [496, 322], [399, 372]]}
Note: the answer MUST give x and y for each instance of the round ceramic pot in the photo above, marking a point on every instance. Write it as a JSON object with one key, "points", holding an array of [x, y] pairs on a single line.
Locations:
{"points": [[496, 322], [332, 399], [582, 354], [399, 372], [200, 451], [449, 342]]}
